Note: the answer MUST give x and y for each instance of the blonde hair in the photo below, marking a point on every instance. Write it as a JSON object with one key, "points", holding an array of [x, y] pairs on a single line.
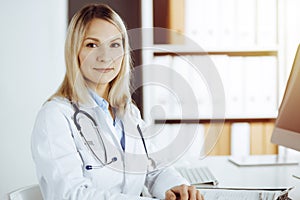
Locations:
{"points": [[74, 86]]}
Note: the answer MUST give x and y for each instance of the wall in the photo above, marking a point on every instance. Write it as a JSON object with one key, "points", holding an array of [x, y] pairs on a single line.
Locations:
{"points": [[31, 68]]}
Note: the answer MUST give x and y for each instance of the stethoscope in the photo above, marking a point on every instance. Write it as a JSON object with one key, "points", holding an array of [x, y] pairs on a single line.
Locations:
{"points": [[151, 162]]}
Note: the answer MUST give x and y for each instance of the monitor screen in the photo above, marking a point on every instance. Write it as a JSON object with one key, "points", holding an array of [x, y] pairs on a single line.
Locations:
{"points": [[287, 126]]}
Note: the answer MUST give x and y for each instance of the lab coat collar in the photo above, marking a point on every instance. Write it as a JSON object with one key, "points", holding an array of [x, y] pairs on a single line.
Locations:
{"points": [[129, 119], [100, 101], [90, 104], [97, 113], [134, 155]]}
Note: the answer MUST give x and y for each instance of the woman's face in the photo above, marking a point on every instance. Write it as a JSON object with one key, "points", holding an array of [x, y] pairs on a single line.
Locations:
{"points": [[101, 53]]}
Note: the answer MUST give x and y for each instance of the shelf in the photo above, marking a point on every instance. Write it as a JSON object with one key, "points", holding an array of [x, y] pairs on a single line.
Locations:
{"points": [[246, 46], [160, 50]]}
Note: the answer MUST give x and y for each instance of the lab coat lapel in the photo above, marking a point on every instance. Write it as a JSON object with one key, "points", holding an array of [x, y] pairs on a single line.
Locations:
{"points": [[107, 125], [108, 133], [135, 157], [131, 133]]}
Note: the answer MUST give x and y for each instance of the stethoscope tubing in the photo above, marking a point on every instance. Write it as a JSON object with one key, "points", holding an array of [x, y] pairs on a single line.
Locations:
{"points": [[152, 164], [143, 140], [95, 126]]}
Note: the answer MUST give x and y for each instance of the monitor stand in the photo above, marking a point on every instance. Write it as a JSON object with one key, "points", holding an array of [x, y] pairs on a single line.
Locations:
{"points": [[262, 160]]}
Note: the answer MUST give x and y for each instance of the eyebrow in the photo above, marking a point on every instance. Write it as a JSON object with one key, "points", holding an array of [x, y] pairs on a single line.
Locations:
{"points": [[97, 40]]}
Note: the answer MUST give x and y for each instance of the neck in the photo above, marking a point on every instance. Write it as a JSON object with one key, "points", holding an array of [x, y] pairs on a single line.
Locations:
{"points": [[101, 90]]}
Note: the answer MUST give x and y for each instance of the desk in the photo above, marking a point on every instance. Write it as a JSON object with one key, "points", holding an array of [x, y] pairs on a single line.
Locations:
{"points": [[230, 175]]}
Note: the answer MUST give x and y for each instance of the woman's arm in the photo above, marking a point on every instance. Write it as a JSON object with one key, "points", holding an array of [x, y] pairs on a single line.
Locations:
{"points": [[160, 181]]}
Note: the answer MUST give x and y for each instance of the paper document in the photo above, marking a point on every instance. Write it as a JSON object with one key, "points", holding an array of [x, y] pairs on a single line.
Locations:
{"points": [[225, 193]]}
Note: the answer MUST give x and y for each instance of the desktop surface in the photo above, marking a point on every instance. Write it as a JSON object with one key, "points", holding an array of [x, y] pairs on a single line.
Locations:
{"points": [[230, 175]]}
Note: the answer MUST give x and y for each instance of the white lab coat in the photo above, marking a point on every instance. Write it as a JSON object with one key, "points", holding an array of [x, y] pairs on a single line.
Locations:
{"points": [[61, 156]]}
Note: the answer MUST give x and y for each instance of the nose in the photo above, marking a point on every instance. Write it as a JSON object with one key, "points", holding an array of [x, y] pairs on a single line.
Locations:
{"points": [[103, 56]]}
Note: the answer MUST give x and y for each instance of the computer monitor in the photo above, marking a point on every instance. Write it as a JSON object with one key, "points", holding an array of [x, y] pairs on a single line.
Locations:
{"points": [[287, 125]]}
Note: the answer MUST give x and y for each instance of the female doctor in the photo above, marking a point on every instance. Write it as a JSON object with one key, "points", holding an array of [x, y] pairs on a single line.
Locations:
{"points": [[87, 142]]}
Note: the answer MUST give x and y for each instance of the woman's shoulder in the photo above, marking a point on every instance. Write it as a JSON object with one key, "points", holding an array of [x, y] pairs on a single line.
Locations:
{"points": [[53, 113], [132, 109], [133, 112], [56, 105]]}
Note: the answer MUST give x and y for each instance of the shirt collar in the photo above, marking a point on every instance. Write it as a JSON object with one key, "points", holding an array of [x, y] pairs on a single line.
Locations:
{"points": [[101, 102]]}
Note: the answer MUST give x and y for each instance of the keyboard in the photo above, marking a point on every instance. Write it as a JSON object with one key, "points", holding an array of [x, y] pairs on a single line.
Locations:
{"points": [[198, 175]]}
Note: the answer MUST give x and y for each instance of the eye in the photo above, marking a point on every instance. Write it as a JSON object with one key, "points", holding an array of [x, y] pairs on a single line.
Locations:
{"points": [[91, 45], [115, 45]]}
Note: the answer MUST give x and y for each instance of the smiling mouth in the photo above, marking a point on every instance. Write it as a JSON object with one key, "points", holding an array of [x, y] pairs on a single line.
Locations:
{"points": [[104, 70]]}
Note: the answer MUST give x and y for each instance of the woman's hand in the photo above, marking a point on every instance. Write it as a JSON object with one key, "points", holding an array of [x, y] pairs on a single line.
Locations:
{"points": [[183, 192]]}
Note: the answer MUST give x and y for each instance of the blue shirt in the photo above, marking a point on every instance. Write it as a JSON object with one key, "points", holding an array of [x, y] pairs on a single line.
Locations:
{"points": [[117, 123]]}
